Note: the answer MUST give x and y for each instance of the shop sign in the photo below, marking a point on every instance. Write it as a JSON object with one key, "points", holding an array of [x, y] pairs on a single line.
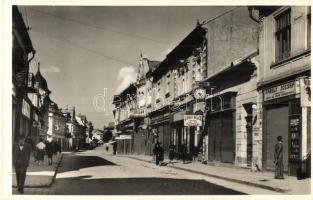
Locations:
{"points": [[124, 137], [25, 109], [192, 120], [282, 90], [179, 116]]}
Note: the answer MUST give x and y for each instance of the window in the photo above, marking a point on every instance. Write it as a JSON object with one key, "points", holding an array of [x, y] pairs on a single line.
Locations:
{"points": [[283, 39]]}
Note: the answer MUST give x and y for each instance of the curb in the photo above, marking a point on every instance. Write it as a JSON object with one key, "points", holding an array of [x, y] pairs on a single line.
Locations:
{"points": [[56, 170], [222, 177], [52, 180]]}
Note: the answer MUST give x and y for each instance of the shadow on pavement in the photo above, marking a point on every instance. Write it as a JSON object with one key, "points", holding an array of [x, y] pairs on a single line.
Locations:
{"points": [[76, 162], [138, 186]]}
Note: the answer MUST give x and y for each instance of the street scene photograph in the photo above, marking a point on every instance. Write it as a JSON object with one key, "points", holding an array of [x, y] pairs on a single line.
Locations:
{"points": [[160, 100]]}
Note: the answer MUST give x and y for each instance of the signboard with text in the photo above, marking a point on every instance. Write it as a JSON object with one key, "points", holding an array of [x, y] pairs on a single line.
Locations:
{"points": [[192, 120], [124, 137], [282, 90]]}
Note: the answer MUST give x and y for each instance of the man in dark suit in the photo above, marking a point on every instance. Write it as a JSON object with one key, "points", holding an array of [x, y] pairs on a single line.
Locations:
{"points": [[21, 156], [278, 158]]}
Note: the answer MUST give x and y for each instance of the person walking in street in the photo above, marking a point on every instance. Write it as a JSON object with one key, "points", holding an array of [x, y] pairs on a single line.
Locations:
{"points": [[184, 152], [55, 147], [171, 152], [21, 156], [161, 154], [40, 151], [49, 151], [157, 153], [278, 158], [114, 147], [30, 142]]}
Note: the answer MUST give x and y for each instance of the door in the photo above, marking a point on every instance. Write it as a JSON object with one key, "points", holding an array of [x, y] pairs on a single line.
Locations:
{"points": [[227, 140], [249, 139], [215, 139], [276, 124]]}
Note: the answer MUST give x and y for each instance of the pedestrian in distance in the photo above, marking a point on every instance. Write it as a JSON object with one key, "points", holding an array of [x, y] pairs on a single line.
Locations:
{"points": [[157, 153], [29, 140], [184, 152], [171, 153], [114, 147], [55, 147], [161, 153], [59, 149], [21, 156], [49, 151], [40, 151], [278, 158]]}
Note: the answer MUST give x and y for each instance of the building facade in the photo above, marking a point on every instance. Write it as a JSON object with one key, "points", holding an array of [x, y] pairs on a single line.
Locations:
{"points": [[56, 125], [125, 118], [245, 76], [284, 82], [22, 54]]}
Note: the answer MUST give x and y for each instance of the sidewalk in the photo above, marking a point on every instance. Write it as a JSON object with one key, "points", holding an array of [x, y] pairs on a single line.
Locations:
{"points": [[42, 175], [265, 180]]}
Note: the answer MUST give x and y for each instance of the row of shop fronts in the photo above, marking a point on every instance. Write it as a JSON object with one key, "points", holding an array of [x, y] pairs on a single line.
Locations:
{"points": [[284, 111], [232, 114]]}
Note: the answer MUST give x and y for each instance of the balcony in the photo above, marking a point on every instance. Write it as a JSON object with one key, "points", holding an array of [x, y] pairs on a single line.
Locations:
{"points": [[26, 81]]}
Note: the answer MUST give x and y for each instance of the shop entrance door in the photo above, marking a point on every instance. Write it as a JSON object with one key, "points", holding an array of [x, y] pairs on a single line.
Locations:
{"points": [[215, 139], [276, 124], [227, 140]]}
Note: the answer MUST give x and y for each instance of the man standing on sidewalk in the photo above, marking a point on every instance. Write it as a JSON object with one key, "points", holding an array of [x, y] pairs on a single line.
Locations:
{"points": [[21, 156], [278, 156]]}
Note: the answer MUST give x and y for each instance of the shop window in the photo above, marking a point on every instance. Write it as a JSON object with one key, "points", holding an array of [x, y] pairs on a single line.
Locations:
{"points": [[283, 36]]}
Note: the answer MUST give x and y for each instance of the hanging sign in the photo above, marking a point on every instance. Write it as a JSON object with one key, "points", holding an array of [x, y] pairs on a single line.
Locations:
{"points": [[192, 120]]}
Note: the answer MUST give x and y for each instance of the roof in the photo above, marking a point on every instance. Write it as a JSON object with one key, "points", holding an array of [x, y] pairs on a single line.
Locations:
{"points": [[153, 64], [131, 89], [79, 120], [185, 47], [238, 68], [41, 80], [53, 105], [20, 28]]}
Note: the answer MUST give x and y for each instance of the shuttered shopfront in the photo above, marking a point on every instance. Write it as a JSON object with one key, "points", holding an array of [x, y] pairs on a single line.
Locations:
{"points": [[221, 137], [282, 117], [221, 128]]}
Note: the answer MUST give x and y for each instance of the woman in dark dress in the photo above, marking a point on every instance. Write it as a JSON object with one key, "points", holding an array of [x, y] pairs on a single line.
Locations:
{"points": [[171, 152], [157, 152], [184, 152], [49, 151], [40, 151]]}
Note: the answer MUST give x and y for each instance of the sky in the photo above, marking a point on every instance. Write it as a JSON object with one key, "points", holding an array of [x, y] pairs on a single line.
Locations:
{"points": [[88, 54]]}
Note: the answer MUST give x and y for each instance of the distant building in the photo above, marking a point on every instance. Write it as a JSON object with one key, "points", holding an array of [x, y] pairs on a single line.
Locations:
{"points": [[97, 134], [57, 125], [41, 100]]}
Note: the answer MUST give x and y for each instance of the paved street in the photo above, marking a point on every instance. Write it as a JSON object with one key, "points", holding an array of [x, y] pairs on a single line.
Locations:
{"points": [[97, 173]]}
